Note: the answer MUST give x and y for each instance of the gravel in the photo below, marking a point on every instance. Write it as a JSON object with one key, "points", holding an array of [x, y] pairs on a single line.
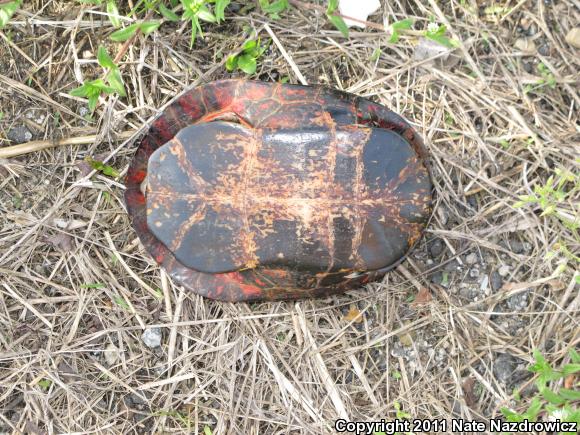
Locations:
{"points": [[503, 367], [503, 271], [496, 281], [19, 134], [436, 248], [472, 258], [152, 337], [519, 302]]}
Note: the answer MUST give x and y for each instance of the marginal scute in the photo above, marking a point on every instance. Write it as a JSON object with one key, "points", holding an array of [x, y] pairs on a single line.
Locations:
{"points": [[259, 191]]}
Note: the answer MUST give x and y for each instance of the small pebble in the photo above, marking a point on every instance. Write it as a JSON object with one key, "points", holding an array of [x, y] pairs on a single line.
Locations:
{"points": [[111, 354], [483, 284], [504, 270], [496, 281], [525, 45], [520, 247], [503, 367], [398, 351], [19, 134], [437, 278], [544, 50], [573, 37], [436, 248], [152, 337], [474, 272], [471, 258], [518, 302]]}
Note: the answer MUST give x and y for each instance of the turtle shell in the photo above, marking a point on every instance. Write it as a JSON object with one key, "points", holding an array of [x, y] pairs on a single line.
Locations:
{"points": [[248, 191]]}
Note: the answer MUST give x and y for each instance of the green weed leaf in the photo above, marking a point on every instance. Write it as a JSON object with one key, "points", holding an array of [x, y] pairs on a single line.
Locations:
{"points": [[274, 8], [231, 62], [247, 63], [204, 14], [220, 7], [332, 6], [101, 167], [7, 10], [567, 394], [116, 82], [113, 12], [167, 13], [339, 24], [405, 24], [122, 35], [104, 59], [149, 26]]}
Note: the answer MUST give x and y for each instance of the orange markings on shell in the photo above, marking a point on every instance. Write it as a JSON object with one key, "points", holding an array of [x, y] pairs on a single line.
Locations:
{"points": [[276, 106]]}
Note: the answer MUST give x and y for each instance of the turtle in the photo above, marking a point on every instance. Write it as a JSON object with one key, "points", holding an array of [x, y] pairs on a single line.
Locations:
{"points": [[253, 191]]}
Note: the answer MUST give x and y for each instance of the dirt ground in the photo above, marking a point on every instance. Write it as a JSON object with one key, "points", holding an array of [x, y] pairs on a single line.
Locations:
{"points": [[448, 334]]}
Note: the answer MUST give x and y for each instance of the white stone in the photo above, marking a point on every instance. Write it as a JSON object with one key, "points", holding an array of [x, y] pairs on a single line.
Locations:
{"points": [[359, 9]]}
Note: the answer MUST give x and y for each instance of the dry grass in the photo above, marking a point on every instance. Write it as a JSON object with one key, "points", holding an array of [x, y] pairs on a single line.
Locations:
{"points": [[77, 289]]}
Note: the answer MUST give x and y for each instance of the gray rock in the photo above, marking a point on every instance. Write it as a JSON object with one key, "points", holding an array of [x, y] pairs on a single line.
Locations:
{"points": [[436, 248], [152, 337], [471, 258], [484, 283], [19, 134], [496, 281], [398, 351], [36, 117], [544, 49], [503, 270], [452, 266], [467, 292], [437, 278], [111, 354], [503, 367], [518, 302], [520, 247], [473, 272]]}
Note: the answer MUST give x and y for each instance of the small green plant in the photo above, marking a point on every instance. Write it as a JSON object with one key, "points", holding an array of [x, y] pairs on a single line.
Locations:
{"points": [[246, 60], [554, 196], [547, 79], [198, 10], [146, 27], [120, 301], [7, 10], [93, 89], [273, 9], [101, 167], [399, 415], [376, 54], [45, 383], [436, 32], [112, 10], [335, 19], [560, 405], [95, 285], [397, 26], [184, 420], [113, 76]]}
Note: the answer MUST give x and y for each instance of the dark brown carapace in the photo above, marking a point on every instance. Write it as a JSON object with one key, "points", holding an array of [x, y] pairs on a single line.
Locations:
{"points": [[247, 191]]}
